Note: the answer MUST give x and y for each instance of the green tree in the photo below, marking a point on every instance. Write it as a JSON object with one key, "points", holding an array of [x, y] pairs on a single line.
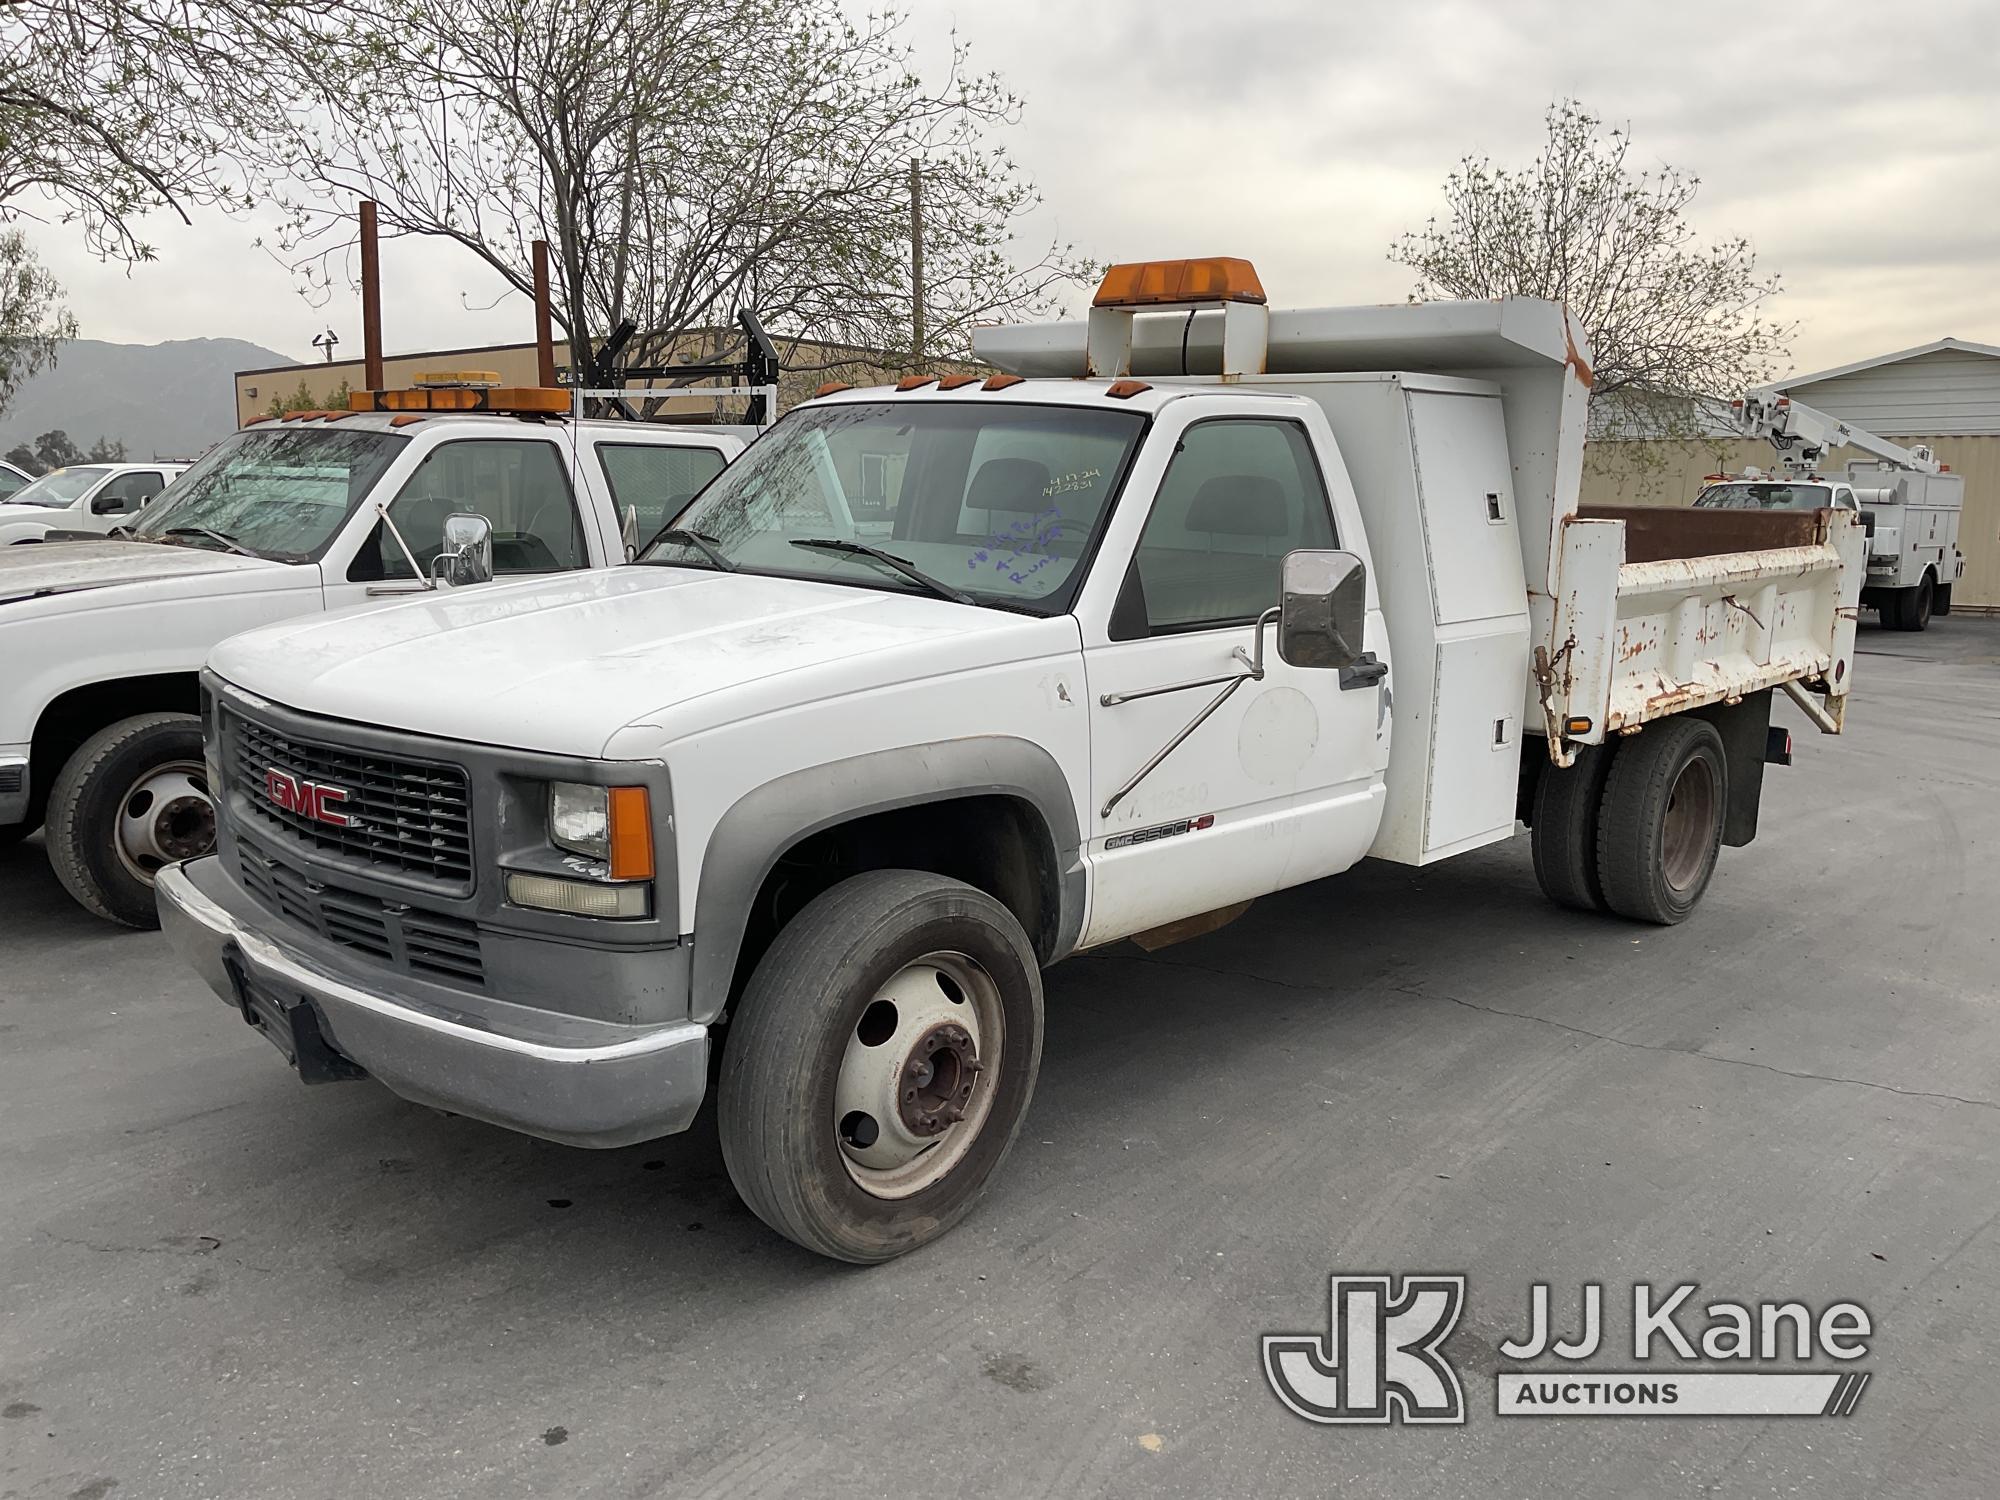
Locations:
{"points": [[34, 323], [110, 109], [684, 159], [1674, 319], [104, 451], [304, 398], [55, 450], [22, 457]]}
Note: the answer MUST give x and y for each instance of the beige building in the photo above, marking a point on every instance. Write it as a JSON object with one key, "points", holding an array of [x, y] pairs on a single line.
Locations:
{"points": [[1945, 394]]}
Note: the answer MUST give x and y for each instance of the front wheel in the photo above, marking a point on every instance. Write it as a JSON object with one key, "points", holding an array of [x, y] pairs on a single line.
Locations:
{"points": [[132, 799], [880, 1064]]}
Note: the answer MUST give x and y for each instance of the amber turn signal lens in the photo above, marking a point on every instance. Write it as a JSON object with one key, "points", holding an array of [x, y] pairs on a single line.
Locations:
{"points": [[631, 834]]}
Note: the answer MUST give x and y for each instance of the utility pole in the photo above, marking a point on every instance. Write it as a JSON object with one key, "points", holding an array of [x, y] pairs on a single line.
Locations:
{"points": [[916, 259], [371, 301], [545, 343]]}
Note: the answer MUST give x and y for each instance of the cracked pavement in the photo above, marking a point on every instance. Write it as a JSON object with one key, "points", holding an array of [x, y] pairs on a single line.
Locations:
{"points": [[214, 1282]]}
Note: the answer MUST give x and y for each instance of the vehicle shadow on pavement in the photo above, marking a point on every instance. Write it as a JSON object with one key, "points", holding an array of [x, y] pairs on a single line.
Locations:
{"points": [[396, 1204]]}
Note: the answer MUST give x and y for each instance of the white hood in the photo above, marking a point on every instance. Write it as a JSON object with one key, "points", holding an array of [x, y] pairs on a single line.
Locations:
{"points": [[60, 568], [563, 664]]}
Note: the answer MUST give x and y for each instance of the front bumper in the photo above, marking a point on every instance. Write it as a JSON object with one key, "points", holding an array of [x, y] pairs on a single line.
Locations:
{"points": [[14, 787], [564, 1078]]}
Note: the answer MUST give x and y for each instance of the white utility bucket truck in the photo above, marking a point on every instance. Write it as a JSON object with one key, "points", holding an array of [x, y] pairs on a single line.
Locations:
{"points": [[317, 511], [1217, 601], [1908, 502]]}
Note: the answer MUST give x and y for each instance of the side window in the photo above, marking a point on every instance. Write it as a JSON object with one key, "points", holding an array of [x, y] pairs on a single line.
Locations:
{"points": [[1239, 494], [1843, 499], [126, 493], [518, 484], [655, 480]]}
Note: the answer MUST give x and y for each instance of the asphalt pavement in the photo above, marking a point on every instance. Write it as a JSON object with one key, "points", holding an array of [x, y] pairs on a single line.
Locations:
{"points": [[215, 1282]]}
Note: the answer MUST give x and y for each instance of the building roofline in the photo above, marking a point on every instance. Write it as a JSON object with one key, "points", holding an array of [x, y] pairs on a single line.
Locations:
{"points": [[1935, 346]]}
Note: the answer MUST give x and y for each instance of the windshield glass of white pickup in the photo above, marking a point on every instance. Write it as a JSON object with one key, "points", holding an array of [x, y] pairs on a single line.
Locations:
{"points": [[57, 488], [279, 492], [1765, 497], [998, 500]]}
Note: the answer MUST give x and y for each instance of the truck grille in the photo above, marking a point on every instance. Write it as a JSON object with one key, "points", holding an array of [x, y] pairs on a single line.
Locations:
{"points": [[411, 815], [423, 942]]}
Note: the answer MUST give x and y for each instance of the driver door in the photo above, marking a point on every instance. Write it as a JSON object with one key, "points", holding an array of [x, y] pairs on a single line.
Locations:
{"points": [[1283, 782], [520, 484]]}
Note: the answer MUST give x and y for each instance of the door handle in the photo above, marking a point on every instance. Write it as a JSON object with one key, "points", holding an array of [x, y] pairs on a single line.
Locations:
{"points": [[1366, 670]]}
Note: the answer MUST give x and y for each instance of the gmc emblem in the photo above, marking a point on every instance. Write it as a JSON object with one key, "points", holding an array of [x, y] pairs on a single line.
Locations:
{"points": [[308, 799]]}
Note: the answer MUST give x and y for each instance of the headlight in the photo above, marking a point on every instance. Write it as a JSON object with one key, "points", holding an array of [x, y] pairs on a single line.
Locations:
{"points": [[580, 819]]}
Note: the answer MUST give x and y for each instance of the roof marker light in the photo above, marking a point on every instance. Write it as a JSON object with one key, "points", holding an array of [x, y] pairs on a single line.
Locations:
{"points": [[913, 382], [1001, 382]]}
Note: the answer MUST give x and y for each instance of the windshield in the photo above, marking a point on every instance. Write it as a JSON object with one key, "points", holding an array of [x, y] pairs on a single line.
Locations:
{"points": [[1749, 496], [57, 488], [993, 500], [280, 492]]}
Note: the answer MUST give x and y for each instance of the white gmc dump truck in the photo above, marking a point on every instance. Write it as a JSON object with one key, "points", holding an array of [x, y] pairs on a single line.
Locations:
{"points": [[1223, 601], [101, 641]]}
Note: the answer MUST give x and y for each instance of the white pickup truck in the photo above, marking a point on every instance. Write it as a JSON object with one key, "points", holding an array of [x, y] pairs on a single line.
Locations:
{"points": [[103, 640], [82, 497], [1235, 599]]}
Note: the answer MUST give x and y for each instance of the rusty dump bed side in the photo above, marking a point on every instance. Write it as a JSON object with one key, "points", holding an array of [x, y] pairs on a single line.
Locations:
{"points": [[1658, 533], [1663, 610]]}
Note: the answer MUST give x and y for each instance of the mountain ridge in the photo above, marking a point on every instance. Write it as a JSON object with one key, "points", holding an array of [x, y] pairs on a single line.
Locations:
{"points": [[166, 400]]}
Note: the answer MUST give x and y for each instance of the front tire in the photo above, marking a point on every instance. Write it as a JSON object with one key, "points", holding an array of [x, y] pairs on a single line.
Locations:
{"points": [[132, 799], [880, 1064], [1660, 827]]}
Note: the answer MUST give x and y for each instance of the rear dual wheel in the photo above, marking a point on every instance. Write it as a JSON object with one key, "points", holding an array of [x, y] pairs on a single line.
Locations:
{"points": [[880, 1064], [1635, 827]]}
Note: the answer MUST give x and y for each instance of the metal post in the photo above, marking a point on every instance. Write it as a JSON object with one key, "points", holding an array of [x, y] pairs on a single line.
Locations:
{"points": [[916, 259], [371, 301], [545, 341]]}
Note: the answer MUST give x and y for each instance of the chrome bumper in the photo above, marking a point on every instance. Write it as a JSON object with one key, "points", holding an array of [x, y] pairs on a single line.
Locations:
{"points": [[580, 1082]]}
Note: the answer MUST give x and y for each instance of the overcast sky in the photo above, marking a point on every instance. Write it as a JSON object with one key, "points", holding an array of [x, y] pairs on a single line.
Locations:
{"points": [[1857, 145]]}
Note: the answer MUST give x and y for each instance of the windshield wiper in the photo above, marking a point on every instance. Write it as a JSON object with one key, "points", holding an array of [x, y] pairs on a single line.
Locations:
{"points": [[227, 541], [908, 569], [706, 545]]}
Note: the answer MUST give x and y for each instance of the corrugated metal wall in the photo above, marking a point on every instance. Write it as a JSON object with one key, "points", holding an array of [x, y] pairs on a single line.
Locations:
{"points": [[1953, 390], [1671, 474]]}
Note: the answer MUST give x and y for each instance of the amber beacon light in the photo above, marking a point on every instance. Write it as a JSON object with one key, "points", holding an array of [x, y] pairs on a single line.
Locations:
{"points": [[1141, 283]]}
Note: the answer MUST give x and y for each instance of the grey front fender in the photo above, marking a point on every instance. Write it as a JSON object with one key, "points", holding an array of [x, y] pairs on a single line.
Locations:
{"points": [[766, 822]]}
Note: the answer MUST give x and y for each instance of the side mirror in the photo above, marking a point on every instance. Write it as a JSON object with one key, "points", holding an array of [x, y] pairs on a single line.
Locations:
{"points": [[1322, 609], [108, 505], [467, 556]]}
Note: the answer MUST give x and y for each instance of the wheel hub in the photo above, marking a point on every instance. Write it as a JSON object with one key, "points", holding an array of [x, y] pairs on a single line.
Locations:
{"points": [[937, 1080], [916, 1076], [168, 815]]}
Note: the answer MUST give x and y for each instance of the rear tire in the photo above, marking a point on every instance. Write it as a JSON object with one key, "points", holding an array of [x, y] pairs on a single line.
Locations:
{"points": [[1660, 826], [133, 798], [1941, 600], [1917, 613], [864, 991], [1564, 836]]}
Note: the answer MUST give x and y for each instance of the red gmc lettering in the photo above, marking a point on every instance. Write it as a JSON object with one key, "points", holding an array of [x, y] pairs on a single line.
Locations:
{"points": [[307, 798]]}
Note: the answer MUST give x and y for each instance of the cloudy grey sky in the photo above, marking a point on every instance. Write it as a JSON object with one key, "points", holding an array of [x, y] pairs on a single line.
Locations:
{"points": [[1857, 145]]}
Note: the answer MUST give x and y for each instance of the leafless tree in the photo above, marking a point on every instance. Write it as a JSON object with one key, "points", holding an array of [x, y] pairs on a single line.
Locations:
{"points": [[684, 159], [1673, 319]]}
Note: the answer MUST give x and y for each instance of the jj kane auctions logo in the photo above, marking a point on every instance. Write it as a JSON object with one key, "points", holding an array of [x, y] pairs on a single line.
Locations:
{"points": [[1381, 1359]]}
